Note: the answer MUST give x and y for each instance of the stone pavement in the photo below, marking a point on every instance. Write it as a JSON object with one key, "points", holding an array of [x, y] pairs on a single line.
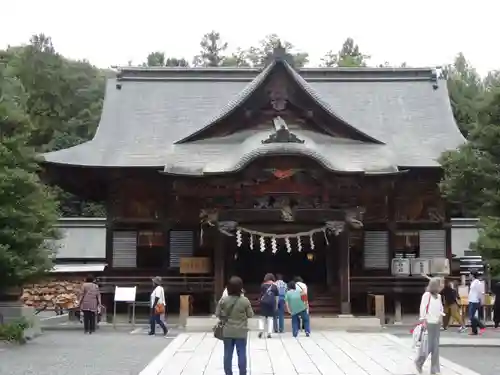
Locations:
{"points": [[463, 340], [480, 359], [324, 353], [109, 352]]}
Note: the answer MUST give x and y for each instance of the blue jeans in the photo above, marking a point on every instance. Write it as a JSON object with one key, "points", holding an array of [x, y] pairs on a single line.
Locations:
{"points": [[156, 319], [474, 322], [279, 319], [241, 351], [304, 316]]}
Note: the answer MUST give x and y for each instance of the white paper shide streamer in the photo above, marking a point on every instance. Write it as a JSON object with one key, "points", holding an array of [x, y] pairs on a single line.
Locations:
{"points": [[274, 245], [288, 245], [239, 239], [260, 237], [299, 244], [311, 242]]}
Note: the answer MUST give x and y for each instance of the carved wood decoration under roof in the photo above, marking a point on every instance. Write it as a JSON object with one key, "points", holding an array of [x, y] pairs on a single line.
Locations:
{"points": [[282, 134], [277, 89]]}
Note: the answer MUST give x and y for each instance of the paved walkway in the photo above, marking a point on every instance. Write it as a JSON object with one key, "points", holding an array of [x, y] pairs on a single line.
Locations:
{"points": [[107, 352], [324, 353], [462, 340]]}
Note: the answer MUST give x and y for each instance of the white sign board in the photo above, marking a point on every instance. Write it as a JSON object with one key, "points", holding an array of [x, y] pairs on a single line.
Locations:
{"points": [[420, 266], [440, 266], [400, 267], [125, 294]]}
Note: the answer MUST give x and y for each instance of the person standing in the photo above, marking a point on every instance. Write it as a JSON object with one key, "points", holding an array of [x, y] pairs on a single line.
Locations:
{"points": [[297, 309], [157, 303], [496, 305], [235, 309], [431, 313], [279, 319], [268, 304], [451, 307], [301, 286], [476, 295], [90, 302]]}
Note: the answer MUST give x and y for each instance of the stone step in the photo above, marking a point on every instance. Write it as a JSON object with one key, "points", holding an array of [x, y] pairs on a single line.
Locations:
{"points": [[347, 322]]}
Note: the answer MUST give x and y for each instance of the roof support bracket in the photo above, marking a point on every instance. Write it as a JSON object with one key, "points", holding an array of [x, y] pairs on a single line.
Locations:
{"points": [[282, 133]]}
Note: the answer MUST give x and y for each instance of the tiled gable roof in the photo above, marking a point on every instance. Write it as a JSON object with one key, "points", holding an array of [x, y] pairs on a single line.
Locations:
{"points": [[146, 111]]}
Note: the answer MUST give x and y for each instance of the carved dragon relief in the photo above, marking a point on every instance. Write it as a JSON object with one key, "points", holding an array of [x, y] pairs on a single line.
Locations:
{"points": [[278, 92]]}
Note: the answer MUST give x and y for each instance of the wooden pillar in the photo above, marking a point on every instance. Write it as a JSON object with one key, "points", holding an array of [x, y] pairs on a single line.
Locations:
{"points": [[344, 271], [391, 222], [449, 249], [109, 231], [218, 265], [330, 271]]}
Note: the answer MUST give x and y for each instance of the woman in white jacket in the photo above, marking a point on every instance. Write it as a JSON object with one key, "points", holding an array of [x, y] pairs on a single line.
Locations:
{"points": [[431, 315]]}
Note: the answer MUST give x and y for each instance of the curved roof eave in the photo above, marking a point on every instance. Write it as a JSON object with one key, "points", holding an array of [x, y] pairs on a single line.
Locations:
{"points": [[218, 167]]}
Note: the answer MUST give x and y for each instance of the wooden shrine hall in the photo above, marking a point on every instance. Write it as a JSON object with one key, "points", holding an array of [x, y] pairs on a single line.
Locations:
{"points": [[323, 173]]}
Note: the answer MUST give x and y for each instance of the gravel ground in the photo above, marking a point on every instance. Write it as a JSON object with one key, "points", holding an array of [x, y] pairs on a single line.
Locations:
{"points": [[73, 353], [485, 360]]}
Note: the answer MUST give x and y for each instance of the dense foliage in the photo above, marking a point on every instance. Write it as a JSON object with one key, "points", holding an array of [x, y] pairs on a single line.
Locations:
{"points": [[472, 174], [63, 102], [28, 211], [62, 99]]}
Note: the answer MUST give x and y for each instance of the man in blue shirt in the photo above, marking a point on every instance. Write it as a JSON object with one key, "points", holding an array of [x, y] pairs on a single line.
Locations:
{"points": [[279, 319]]}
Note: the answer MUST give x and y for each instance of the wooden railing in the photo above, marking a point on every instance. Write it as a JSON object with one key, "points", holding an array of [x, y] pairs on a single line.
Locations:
{"points": [[181, 284], [387, 284], [378, 284]]}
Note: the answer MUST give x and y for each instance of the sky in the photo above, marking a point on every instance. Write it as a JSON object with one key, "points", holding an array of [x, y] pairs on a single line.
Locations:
{"points": [[110, 32]]}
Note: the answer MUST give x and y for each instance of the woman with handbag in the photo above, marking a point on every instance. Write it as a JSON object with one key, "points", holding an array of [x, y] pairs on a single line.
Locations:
{"points": [[157, 307], [431, 315], [90, 303], [233, 312]]}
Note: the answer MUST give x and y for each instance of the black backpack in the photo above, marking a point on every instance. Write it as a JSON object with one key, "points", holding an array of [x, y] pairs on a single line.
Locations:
{"points": [[268, 298]]}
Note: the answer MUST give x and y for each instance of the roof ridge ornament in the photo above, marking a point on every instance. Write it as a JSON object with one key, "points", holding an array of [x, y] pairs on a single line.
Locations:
{"points": [[279, 53], [282, 133]]}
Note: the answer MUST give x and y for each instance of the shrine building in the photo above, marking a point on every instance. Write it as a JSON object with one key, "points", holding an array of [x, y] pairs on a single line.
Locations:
{"points": [[324, 173]]}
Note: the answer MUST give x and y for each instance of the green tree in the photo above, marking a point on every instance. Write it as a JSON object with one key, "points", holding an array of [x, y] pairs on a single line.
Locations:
{"points": [[158, 59], [155, 59], [212, 50], [63, 100], [465, 90], [472, 177], [492, 80], [28, 212], [260, 55], [236, 59], [349, 55]]}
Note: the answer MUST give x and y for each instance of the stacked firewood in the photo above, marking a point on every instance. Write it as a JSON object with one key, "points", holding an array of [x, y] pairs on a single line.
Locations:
{"points": [[52, 295]]}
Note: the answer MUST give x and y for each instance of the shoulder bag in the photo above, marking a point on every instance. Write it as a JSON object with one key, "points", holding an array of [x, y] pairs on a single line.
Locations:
{"points": [[219, 327], [160, 307]]}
